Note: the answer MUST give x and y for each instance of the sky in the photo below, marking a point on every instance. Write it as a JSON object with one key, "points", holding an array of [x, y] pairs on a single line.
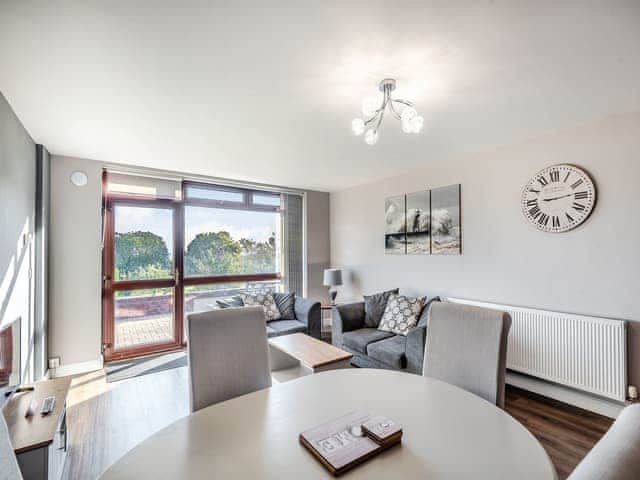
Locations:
{"points": [[239, 223]]}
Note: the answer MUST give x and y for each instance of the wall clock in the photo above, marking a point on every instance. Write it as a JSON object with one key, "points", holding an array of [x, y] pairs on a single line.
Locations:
{"points": [[558, 198]]}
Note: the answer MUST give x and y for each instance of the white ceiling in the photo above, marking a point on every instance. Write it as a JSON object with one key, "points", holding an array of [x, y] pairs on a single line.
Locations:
{"points": [[265, 91]]}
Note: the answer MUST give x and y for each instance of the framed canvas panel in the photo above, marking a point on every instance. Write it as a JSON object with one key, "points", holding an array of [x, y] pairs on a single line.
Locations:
{"points": [[446, 234], [418, 218], [395, 233]]}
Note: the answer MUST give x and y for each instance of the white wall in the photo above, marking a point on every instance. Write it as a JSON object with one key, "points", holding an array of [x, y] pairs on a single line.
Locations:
{"points": [[75, 318], [75, 262], [591, 270], [17, 220]]}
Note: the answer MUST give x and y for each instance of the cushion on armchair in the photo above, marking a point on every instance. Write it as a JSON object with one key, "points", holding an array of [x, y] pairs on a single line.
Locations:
{"points": [[266, 301], [374, 306], [357, 340], [230, 302], [390, 351], [401, 314], [285, 302], [424, 316]]}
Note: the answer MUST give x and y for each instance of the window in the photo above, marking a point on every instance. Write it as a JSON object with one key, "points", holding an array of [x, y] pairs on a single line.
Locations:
{"points": [[231, 242], [216, 194], [167, 255], [143, 243]]}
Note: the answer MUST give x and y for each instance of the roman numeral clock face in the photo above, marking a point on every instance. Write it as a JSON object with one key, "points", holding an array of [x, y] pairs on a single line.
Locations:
{"points": [[558, 198]]}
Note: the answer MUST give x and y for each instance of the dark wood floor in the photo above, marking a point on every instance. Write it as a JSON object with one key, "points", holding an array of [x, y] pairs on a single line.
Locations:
{"points": [[108, 419], [567, 433]]}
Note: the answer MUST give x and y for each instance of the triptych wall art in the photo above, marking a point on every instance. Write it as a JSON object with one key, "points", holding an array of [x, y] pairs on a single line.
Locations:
{"points": [[425, 222]]}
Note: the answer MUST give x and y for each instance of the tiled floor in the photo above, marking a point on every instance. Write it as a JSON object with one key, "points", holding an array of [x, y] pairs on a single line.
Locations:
{"points": [[130, 333]]}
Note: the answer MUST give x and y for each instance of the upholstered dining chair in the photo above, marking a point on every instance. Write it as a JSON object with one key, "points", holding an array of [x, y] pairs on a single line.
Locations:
{"points": [[228, 354], [9, 469], [617, 455], [467, 347]]}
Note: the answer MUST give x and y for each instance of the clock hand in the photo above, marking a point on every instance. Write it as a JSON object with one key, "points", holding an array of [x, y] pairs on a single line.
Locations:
{"points": [[556, 198]]}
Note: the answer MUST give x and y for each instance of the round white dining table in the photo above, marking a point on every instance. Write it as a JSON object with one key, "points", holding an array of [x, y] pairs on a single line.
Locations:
{"points": [[448, 434]]}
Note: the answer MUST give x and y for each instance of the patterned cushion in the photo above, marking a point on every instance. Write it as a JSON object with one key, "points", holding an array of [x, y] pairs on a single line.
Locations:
{"points": [[401, 314], [284, 301], [267, 302]]}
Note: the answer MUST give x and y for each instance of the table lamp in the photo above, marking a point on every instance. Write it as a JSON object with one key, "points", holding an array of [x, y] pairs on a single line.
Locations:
{"points": [[332, 278]]}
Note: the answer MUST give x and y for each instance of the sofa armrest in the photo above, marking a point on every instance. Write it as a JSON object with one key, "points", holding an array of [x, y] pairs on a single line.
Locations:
{"points": [[414, 349], [345, 318], [308, 312]]}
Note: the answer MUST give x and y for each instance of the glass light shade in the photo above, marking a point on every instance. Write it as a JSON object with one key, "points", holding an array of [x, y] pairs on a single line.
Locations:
{"points": [[406, 125], [369, 106], [408, 113], [371, 137], [357, 126], [416, 124]]}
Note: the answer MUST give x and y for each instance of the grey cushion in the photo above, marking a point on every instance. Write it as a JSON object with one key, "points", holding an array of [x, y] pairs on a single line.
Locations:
{"points": [[359, 339], [424, 316], [282, 327], [228, 355], [467, 347], [617, 455], [230, 302], [390, 351], [8, 465], [285, 302], [374, 306], [270, 331]]}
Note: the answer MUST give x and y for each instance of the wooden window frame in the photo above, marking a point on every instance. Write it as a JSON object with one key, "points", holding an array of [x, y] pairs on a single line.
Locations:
{"points": [[178, 282]]}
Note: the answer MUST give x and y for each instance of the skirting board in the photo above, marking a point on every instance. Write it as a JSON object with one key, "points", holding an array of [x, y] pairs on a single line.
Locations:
{"points": [[586, 401], [76, 368]]}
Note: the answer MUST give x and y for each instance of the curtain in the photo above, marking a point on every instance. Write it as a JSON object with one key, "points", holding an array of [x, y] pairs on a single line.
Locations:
{"points": [[293, 247]]}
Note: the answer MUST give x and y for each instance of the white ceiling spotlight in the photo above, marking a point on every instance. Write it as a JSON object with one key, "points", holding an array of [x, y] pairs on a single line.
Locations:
{"points": [[373, 111]]}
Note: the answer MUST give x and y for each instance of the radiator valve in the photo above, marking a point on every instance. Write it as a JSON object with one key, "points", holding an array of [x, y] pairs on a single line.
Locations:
{"points": [[633, 393]]}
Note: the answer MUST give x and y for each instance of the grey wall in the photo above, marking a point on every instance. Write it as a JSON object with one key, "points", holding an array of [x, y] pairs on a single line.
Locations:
{"points": [[75, 262], [591, 270], [75, 320], [17, 219], [41, 270], [317, 243]]}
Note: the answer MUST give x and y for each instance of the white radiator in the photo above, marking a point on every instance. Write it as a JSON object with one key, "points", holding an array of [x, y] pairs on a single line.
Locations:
{"points": [[586, 353]]}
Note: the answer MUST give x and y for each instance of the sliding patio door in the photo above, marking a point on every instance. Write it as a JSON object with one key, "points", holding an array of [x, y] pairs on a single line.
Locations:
{"points": [[142, 311]]}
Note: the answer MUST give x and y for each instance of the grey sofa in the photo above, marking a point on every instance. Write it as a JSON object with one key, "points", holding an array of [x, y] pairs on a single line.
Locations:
{"points": [[306, 319], [372, 348]]}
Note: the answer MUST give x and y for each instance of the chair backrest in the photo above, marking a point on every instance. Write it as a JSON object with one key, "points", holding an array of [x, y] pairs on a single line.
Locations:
{"points": [[467, 347], [228, 354], [9, 469], [617, 455]]}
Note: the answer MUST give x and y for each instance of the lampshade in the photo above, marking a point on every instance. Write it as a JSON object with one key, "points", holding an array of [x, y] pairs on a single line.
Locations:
{"points": [[332, 277]]}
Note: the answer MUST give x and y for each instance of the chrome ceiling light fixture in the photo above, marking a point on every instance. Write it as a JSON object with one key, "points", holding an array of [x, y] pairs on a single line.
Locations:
{"points": [[373, 112]]}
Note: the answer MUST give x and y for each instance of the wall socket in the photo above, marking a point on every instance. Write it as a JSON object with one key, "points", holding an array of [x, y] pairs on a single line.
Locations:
{"points": [[54, 362]]}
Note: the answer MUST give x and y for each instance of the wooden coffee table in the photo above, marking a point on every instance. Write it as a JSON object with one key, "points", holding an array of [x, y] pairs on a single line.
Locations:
{"points": [[293, 356]]}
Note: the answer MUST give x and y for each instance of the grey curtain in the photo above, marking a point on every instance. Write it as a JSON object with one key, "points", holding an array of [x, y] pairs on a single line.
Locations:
{"points": [[293, 233]]}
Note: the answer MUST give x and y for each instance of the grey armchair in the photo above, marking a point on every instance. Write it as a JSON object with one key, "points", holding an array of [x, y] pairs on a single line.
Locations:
{"points": [[373, 348], [307, 319], [617, 455]]}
